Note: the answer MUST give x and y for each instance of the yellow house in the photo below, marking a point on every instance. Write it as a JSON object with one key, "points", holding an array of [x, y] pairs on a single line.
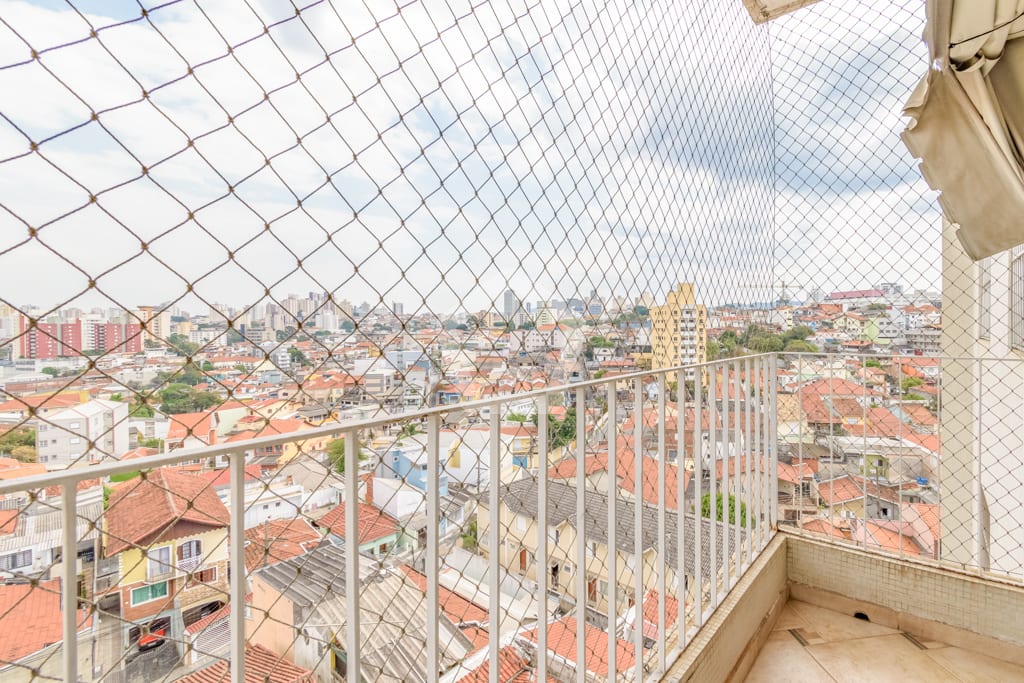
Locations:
{"points": [[169, 533], [282, 453]]}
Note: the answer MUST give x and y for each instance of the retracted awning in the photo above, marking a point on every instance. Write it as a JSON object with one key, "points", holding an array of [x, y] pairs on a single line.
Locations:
{"points": [[967, 120]]}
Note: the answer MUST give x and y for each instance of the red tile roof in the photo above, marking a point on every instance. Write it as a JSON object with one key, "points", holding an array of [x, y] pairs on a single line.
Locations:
{"points": [[261, 666], [278, 540], [31, 618], [457, 608], [848, 488], [374, 524], [513, 667], [8, 521], [142, 511], [562, 642], [198, 626], [222, 477]]}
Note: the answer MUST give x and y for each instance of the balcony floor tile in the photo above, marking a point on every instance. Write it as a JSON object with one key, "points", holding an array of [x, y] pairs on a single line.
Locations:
{"points": [[811, 644]]}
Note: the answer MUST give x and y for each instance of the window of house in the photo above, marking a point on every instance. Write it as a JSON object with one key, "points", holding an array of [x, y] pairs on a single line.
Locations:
{"points": [[206, 576], [73, 425], [74, 439], [190, 549], [159, 561], [16, 560], [153, 591], [521, 523]]}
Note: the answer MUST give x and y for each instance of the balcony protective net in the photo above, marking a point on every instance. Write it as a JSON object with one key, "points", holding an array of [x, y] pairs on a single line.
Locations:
{"points": [[222, 222]]}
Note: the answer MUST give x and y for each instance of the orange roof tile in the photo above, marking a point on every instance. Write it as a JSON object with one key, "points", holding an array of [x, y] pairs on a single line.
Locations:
{"points": [[455, 607], [562, 641], [143, 511], [31, 618], [513, 667], [374, 524], [261, 666], [279, 540]]}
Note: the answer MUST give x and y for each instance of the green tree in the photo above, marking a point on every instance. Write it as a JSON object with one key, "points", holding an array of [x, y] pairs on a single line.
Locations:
{"points": [[713, 349], [515, 417], [298, 357], [469, 536], [336, 455], [18, 436], [705, 509], [528, 325], [799, 346], [180, 344], [52, 372], [179, 398], [207, 366], [909, 383], [765, 343], [872, 363], [140, 408], [24, 453], [116, 397], [152, 443]]}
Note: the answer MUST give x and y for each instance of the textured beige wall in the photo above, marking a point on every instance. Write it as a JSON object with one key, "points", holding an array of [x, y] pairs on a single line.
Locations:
{"points": [[906, 590]]}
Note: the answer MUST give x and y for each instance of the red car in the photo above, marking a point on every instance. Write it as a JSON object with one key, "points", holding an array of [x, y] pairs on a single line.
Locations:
{"points": [[154, 638]]}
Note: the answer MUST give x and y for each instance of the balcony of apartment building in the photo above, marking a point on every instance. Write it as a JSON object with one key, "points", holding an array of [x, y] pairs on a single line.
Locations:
{"points": [[834, 554], [768, 515]]}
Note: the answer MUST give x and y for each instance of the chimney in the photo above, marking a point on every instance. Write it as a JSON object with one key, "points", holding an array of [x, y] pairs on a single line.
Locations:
{"points": [[212, 437], [367, 488]]}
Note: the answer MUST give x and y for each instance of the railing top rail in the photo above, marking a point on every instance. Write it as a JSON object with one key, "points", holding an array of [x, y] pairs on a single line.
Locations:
{"points": [[73, 475]]}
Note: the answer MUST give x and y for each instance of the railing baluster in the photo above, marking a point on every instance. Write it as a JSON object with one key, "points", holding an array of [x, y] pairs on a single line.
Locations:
{"points": [[713, 493], [899, 441], [738, 481], [69, 579], [542, 541], [723, 489], [638, 525], [752, 467], [800, 445], [612, 554], [352, 554], [662, 537], [433, 528], [494, 541], [581, 539], [773, 441], [238, 587], [760, 469], [698, 481], [680, 494]]}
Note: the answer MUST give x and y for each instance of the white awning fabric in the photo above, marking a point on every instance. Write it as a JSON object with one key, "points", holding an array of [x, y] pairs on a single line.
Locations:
{"points": [[967, 120]]}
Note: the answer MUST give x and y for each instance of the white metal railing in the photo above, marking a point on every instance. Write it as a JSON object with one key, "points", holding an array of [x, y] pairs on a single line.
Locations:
{"points": [[923, 465], [724, 443], [861, 463]]}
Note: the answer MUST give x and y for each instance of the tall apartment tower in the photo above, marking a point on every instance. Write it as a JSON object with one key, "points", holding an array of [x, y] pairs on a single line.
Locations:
{"points": [[679, 330], [155, 323]]}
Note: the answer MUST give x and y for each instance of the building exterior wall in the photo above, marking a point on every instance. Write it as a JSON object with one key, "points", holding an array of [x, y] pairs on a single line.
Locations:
{"points": [[679, 329], [133, 573]]}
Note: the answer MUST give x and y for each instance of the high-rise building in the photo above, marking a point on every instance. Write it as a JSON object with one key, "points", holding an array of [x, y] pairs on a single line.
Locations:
{"points": [[512, 304], [679, 329], [40, 341], [155, 323]]}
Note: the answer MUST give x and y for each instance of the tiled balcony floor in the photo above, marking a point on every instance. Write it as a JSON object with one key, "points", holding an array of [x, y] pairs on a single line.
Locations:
{"points": [[812, 644]]}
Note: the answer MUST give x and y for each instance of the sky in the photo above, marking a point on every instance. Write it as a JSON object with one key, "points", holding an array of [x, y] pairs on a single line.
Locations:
{"points": [[438, 153]]}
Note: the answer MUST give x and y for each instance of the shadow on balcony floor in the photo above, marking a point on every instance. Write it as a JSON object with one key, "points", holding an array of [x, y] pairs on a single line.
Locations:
{"points": [[811, 644]]}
